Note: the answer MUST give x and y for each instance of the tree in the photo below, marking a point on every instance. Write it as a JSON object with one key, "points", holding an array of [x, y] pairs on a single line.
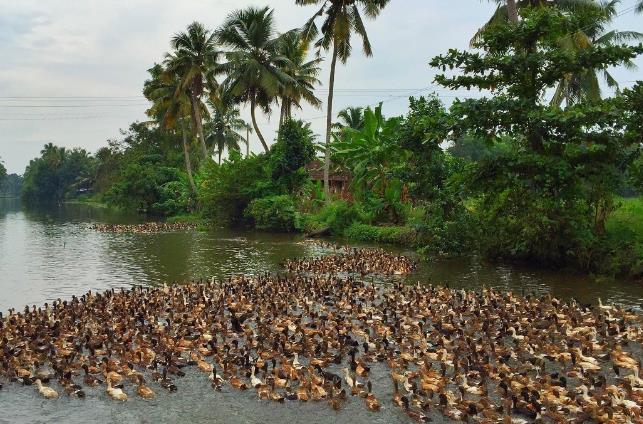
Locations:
{"points": [[194, 62], [585, 86], [303, 74], [171, 106], [56, 174], [290, 155], [508, 11], [350, 117], [547, 197], [3, 172], [370, 153], [343, 17], [255, 67], [223, 131]]}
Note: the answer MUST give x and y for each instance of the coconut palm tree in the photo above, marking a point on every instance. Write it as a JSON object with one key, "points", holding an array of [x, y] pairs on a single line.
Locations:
{"points": [[255, 66], [351, 117], [585, 86], [342, 18], [303, 74], [195, 61], [170, 106], [224, 129]]}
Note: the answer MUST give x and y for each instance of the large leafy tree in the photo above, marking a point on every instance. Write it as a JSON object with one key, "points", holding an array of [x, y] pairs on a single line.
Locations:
{"points": [[302, 72], [171, 108], [194, 60], [255, 65], [58, 172], [548, 195], [341, 18]]}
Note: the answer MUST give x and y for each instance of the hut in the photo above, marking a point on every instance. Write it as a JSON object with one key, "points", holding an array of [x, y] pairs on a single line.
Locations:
{"points": [[338, 179]]}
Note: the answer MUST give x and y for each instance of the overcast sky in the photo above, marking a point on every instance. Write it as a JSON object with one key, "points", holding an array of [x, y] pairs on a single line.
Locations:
{"points": [[71, 48]]}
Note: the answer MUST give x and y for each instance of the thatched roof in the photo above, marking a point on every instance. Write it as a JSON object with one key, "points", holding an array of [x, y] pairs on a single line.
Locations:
{"points": [[316, 171]]}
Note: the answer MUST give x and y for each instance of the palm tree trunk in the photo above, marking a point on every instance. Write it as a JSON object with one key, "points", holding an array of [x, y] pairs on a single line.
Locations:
{"points": [[282, 116], [247, 142], [219, 157], [329, 124], [186, 155], [512, 11], [199, 124], [254, 124]]}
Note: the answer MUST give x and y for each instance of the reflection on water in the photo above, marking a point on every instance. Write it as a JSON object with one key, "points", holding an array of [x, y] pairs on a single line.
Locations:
{"points": [[50, 253]]}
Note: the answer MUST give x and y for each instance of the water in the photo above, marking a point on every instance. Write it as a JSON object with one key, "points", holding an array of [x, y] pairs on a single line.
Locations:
{"points": [[52, 253]]}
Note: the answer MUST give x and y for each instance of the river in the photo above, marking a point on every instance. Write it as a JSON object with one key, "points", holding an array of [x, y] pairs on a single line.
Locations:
{"points": [[52, 253]]}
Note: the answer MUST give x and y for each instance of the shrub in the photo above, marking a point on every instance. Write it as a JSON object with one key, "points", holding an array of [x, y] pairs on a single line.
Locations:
{"points": [[274, 213], [405, 236]]}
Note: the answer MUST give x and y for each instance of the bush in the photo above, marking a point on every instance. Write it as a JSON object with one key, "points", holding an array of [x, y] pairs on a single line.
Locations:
{"points": [[338, 216], [404, 236], [226, 190], [274, 213]]}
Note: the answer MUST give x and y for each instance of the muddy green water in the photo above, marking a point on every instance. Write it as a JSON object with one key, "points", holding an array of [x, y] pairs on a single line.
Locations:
{"points": [[47, 254]]}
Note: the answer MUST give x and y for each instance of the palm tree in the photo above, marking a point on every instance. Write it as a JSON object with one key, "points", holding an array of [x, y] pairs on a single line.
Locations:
{"points": [[351, 117], [255, 66], [585, 86], [343, 17], [194, 60], [169, 106], [303, 74], [639, 6], [224, 128]]}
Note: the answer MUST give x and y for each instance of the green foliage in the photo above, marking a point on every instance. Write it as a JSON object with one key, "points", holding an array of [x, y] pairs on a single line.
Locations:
{"points": [[545, 199], [149, 186], [292, 152], [57, 174], [3, 173], [12, 186], [226, 190], [370, 153], [274, 213], [404, 236], [336, 216]]}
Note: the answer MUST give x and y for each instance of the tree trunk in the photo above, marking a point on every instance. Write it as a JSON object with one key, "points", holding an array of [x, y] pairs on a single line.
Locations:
{"points": [[282, 115], [188, 164], [247, 142], [254, 124], [219, 157], [199, 124], [329, 124], [512, 11]]}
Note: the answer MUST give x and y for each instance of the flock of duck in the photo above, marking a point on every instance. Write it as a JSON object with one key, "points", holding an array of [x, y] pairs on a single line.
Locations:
{"points": [[351, 260], [479, 356], [145, 228]]}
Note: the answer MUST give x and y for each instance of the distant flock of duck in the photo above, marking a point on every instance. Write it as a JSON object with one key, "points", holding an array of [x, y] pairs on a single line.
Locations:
{"points": [[350, 260], [478, 356], [145, 228]]}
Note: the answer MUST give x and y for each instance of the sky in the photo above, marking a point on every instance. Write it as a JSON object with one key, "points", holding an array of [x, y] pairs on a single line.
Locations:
{"points": [[72, 70]]}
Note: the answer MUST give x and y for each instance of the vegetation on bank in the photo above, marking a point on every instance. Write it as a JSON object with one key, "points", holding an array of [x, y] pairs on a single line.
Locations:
{"points": [[517, 175]]}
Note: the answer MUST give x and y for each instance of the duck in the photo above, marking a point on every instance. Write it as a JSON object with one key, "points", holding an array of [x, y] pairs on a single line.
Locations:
{"points": [[115, 392], [45, 391], [143, 391], [372, 404]]}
